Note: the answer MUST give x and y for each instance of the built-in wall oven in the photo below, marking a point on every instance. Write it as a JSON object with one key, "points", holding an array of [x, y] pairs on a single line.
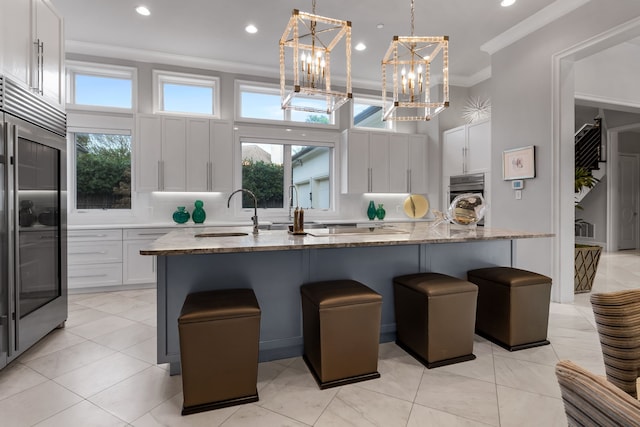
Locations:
{"points": [[462, 184], [33, 244]]}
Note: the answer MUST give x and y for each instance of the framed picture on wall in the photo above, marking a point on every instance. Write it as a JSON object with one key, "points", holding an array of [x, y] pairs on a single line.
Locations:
{"points": [[519, 163]]}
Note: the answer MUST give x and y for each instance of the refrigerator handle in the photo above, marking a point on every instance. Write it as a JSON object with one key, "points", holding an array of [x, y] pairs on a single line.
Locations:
{"points": [[12, 234]]}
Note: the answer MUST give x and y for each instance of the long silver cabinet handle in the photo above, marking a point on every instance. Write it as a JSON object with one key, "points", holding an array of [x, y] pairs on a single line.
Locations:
{"points": [[88, 275], [88, 253]]}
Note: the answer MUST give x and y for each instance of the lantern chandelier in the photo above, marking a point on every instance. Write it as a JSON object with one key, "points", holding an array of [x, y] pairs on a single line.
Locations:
{"points": [[408, 62], [312, 39]]}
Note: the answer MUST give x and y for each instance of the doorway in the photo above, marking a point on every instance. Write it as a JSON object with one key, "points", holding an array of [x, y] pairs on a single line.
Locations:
{"points": [[628, 198]]}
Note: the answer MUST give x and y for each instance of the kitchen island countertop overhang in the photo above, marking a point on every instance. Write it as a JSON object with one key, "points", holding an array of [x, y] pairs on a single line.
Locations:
{"points": [[275, 263]]}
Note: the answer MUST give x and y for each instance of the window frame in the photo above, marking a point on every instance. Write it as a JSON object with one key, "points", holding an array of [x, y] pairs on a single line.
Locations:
{"points": [[287, 137], [74, 68], [160, 77], [273, 89], [373, 101]]}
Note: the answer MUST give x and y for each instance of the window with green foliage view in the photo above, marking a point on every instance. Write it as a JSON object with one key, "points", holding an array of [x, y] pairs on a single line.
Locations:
{"points": [[103, 171]]}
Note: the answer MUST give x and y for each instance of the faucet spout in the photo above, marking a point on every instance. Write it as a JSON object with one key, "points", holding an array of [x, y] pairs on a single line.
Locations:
{"points": [[254, 218]]}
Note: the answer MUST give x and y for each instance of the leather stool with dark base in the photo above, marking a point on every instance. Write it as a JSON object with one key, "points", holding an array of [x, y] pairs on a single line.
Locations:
{"points": [[435, 317], [219, 339], [341, 327], [513, 306]]}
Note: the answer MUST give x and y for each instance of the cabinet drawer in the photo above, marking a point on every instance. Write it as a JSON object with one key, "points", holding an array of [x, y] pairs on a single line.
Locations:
{"points": [[94, 235], [145, 233], [94, 252], [94, 275]]}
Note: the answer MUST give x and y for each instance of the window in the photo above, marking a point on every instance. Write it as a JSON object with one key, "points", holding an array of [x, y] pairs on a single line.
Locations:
{"points": [[367, 113], [99, 86], [186, 94], [270, 168], [103, 170], [262, 102]]}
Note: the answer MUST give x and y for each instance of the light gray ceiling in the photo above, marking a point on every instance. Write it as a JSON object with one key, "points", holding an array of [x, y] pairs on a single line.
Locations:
{"points": [[214, 30]]}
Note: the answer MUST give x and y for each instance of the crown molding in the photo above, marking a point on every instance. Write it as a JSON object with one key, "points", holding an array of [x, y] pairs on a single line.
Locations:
{"points": [[533, 23]]}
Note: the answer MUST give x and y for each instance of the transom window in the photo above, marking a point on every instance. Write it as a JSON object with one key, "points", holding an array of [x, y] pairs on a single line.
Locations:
{"points": [[98, 86], [262, 102], [269, 169], [367, 113], [186, 94]]}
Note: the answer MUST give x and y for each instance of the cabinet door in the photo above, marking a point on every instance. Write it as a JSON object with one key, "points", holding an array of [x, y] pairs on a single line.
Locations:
{"points": [[148, 152], [48, 32], [479, 147], [355, 162], [17, 49], [221, 161], [379, 162], [174, 141], [453, 148], [198, 165], [418, 148], [398, 163], [137, 268]]}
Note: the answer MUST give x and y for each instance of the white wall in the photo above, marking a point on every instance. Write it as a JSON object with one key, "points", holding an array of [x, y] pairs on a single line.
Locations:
{"points": [[522, 114]]}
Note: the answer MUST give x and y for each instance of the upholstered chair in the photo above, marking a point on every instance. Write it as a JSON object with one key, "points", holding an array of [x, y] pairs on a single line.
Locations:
{"points": [[590, 400], [617, 317]]}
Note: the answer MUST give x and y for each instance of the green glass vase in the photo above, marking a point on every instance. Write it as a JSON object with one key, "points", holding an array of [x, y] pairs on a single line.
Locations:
{"points": [[199, 215], [371, 210], [181, 215], [380, 212]]}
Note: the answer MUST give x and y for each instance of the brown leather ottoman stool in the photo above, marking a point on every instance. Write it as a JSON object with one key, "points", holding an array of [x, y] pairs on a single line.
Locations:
{"points": [[513, 306], [435, 317], [219, 338], [341, 327]]}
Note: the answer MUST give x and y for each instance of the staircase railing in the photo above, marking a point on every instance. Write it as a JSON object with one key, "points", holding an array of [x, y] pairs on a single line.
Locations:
{"points": [[588, 146]]}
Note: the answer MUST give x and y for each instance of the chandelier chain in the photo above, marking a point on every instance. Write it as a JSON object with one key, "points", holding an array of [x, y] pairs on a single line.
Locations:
{"points": [[412, 17]]}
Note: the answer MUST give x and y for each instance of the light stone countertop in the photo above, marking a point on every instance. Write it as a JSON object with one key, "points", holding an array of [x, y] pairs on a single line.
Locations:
{"points": [[184, 242]]}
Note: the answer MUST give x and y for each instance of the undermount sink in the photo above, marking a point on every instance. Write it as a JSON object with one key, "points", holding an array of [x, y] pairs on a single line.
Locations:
{"points": [[222, 234], [353, 231]]}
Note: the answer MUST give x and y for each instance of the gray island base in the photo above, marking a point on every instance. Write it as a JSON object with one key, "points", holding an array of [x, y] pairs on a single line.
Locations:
{"points": [[274, 264]]}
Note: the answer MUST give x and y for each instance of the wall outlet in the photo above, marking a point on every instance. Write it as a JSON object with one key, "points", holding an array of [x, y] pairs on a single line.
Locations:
{"points": [[518, 194]]}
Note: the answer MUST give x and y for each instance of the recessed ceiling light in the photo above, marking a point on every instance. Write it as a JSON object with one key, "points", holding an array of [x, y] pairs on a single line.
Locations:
{"points": [[251, 29], [143, 10], [507, 3], [380, 26], [361, 46]]}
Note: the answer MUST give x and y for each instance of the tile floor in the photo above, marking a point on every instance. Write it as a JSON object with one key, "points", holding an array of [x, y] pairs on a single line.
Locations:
{"points": [[100, 371]]}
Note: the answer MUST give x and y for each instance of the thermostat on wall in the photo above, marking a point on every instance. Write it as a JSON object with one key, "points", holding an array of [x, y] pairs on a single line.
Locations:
{"points": [[517, 184]]}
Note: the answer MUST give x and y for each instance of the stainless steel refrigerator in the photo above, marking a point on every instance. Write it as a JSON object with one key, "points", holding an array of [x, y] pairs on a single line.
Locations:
{"points": [[33, 242]]}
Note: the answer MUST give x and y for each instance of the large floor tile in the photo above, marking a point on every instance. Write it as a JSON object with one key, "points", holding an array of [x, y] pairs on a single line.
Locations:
{"points": [[421, 416], [523, 409], [146, 351], [18, 377], [83, 316], [126, 337], [255, 416], [135, 396], [36, 404], [545, 354], [354, 406], [83, 414], [526, 376], [57, 339], [102, 374], [399, 377], [55, 364], [101, 326], [458, 395]]}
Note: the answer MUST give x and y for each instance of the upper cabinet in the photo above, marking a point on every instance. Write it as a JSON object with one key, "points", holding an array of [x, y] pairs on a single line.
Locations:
{"points": [[467, 149], [183, 154], [33, 47], [381, 162]]}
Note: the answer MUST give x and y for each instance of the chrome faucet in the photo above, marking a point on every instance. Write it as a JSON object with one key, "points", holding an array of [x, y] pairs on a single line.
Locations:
{"points": [[292, 188], [254, 218]]}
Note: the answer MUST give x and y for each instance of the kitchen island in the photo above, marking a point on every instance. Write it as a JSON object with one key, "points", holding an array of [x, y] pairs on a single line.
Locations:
{"points": [[275, 263]]}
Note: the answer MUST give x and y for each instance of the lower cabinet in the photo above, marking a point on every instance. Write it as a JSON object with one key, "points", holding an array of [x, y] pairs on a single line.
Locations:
{"points": [[111, 257]]}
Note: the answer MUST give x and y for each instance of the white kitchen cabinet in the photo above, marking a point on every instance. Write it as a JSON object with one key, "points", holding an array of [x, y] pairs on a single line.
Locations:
{"points": [[209, 155], [382, 162], [365, 162], [183, 154], [467, 149], [136, 268], [33, 46], [94, 258]]}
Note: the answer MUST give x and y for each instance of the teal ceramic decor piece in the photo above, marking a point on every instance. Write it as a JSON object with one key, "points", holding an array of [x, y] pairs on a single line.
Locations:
{"points": [[181, 215], [199, 215], [371, 210], [380, 212]]}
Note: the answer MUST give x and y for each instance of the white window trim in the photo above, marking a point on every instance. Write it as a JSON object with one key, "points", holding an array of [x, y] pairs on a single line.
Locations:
{"points": [[370, 100], [100, 70], [273, 89], [160, 77]]}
